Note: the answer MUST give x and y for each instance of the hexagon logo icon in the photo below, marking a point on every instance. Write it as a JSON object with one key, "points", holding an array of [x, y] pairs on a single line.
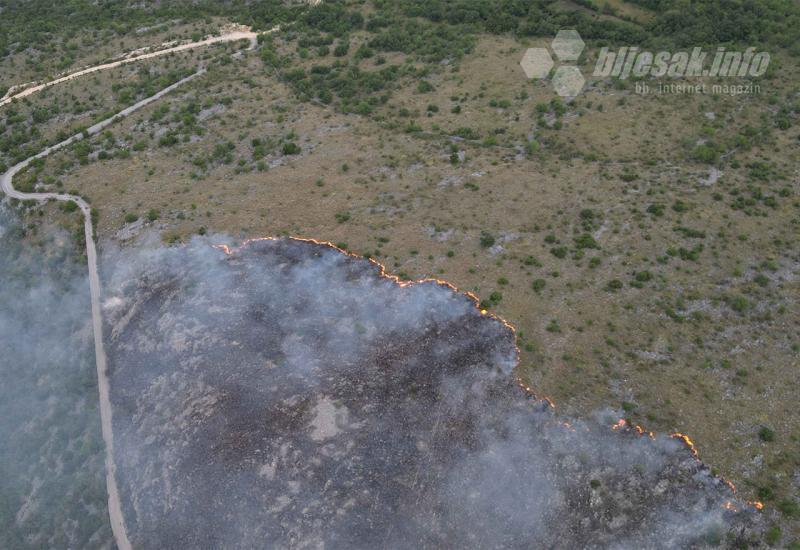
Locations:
{"points": [[536, 63], [568, 81], [568, 45]]}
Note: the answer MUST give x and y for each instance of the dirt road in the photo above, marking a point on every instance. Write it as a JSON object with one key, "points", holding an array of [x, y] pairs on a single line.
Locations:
{"points": [[230, 36], [114, 505]]}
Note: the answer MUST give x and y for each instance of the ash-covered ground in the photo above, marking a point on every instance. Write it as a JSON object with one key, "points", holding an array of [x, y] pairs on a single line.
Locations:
{"points": [[287, 395]]}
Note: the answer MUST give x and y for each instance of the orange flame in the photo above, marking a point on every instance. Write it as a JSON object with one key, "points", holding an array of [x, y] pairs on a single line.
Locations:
{"points": [[688, 442], [385, 274], [622, 424]]}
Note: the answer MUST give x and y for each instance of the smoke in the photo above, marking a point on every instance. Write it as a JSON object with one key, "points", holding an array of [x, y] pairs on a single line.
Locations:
{"points": [[289, 395], [52, 482]]}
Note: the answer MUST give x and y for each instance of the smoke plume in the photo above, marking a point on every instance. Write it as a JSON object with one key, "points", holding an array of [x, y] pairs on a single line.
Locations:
{"points": [[52, 483], [287, 395]]}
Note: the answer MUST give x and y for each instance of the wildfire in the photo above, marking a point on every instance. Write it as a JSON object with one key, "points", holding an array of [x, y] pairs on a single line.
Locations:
{"points": [[383, 273], [688, 442], [642, 431], [730, 506], [621, 425], [402, 283]]}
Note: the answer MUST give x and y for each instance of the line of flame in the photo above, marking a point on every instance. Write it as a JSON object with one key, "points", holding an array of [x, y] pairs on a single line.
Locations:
{"points": [[403, 283], [622, 425]]}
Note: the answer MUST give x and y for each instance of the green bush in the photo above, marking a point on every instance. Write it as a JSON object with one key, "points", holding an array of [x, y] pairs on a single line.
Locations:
{"points": [[487, 239], [614, 285], [291, 148], [341, 49], [788, 508], [765, 434]]}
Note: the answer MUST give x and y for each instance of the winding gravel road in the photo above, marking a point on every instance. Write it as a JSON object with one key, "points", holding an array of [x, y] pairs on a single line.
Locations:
{"points": [[6, 182], [226, 37], [114, 505]]}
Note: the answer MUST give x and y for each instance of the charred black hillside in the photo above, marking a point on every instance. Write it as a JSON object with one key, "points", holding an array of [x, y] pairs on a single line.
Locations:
{"points": [[289, 395]]}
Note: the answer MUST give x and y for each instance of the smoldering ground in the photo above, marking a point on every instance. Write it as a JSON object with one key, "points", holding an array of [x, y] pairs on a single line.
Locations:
{"points": [[287, 395]]}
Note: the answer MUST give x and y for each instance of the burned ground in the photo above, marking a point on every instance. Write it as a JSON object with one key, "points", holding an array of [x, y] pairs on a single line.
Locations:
{"points": [[289, 395]]}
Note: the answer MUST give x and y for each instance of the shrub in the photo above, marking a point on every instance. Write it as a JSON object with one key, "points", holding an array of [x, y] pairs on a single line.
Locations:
{"points": [[291, 148], [586, 241], [705, 153], [467, 133], [773, 535], [788, 507], [424, 87], [691, 233], [738, 303], [341, 49], [614, 285], [487, 239]]}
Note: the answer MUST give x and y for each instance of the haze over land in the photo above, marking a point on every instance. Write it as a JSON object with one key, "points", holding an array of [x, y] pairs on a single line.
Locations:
{"points": [[645, 246], [287, 392]]}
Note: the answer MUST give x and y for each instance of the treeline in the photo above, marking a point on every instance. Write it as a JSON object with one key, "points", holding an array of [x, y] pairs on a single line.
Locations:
{"points": [[33, 23], [411, 24], [745, 22], [675, 22], [434, 31]]}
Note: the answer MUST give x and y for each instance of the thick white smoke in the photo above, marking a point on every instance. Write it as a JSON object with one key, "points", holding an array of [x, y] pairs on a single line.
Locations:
{"points": [[52, 482]]}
